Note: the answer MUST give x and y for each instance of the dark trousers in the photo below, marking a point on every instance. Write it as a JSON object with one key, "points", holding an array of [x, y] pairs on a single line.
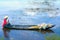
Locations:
{"points": [[8, 25]]}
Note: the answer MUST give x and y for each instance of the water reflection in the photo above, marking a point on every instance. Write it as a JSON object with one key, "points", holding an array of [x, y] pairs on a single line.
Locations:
{"points": [[46, 31], [42, 31], [23, 34], [6, 34]]}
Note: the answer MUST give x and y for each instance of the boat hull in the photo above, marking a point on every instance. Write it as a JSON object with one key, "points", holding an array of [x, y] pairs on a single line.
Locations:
{"points": [[27, 28]]}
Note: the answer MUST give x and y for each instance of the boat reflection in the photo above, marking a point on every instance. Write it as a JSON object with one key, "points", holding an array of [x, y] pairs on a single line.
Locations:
{"points": [[41, 31], [20, 34], [46, 31]]}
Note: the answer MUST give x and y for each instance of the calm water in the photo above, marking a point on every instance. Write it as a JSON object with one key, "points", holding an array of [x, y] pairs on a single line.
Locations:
{"points": [[30, 34], [27, 34]]}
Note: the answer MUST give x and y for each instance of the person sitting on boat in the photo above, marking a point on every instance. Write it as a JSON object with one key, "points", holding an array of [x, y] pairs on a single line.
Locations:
{"points": [[6, 22]]}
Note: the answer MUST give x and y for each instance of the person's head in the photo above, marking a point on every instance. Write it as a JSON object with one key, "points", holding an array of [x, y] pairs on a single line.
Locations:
{"points": [[6, 17]]}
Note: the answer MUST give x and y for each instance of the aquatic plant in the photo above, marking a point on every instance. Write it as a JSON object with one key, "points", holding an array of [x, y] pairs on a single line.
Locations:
{"points": [[53, 37]]}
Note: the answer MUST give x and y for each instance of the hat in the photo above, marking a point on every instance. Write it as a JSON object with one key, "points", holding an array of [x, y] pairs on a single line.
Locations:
{"points": [[6, 17]]}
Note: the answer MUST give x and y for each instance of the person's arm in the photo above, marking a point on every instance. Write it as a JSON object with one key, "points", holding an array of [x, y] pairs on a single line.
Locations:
{"points": [[7, 21]]}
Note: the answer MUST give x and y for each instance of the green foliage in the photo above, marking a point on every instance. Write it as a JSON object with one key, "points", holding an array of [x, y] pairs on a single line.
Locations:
{"points": [[53, 37]]}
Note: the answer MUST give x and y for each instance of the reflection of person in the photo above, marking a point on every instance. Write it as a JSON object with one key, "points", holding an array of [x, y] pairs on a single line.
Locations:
{"points": [[6, 34], [5, 21]]}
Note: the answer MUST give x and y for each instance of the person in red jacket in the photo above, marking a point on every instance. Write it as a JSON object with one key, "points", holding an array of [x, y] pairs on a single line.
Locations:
{"points": [[5, 21]]}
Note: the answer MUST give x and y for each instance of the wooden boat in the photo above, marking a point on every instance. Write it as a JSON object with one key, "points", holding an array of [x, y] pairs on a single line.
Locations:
{"points": [[27, 27]]}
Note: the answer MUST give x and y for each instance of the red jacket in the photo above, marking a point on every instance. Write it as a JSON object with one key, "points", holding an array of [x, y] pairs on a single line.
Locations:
{"points": [[4, 22]]}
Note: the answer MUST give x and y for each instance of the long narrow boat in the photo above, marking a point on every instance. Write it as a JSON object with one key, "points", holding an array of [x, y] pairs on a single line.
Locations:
{"points": [[27, 27]]}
